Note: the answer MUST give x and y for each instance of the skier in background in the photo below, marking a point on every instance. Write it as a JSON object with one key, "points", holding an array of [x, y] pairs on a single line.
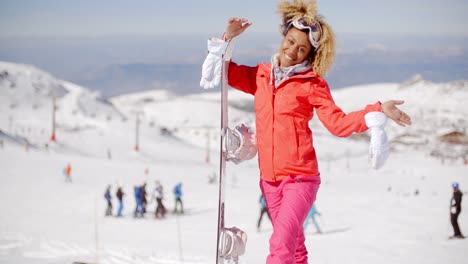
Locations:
{"points": [[144, 201], [138, 201], [158, 194], [287, 91], [108, 198], [67, 173], [311, 216], [120, 194], [263, 210], [178, 198], [455, 209]]}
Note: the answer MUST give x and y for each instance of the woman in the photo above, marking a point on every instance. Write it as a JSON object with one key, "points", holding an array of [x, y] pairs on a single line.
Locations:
{"points": [[287, 92]]}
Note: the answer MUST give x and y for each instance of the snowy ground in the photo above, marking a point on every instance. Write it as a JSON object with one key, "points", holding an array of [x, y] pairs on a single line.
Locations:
{"points": [[368, 216]]}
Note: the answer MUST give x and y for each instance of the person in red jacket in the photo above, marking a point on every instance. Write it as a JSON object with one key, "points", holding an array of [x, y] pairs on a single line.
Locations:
{"points": [[67, 173], [287, 92]]}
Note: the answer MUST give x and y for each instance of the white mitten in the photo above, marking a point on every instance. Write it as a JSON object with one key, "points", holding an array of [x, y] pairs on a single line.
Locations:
{"points": [[213, 64], [378, 147]]}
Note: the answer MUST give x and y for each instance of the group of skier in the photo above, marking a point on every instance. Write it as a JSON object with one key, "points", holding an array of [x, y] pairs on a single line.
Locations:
{"points": [[119, 194], [141, 200]]}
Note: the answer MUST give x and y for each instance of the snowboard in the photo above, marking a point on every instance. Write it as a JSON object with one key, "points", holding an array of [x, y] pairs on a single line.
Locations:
{"points": [[222, 157]]}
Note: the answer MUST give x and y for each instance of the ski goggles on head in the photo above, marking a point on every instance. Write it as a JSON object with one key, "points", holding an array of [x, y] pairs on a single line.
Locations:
{"points": [[315, 30]]}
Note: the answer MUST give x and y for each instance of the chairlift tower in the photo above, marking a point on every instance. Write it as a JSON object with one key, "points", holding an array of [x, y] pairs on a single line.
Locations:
{"points": [[52, 137], [137, 132]]}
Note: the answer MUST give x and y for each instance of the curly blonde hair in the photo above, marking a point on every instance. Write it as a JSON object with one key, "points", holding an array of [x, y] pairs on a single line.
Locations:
{"points": [[324, 55]]}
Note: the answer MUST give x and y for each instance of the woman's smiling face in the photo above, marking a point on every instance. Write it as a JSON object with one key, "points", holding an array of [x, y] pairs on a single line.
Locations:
{"points": [[295, 48]]}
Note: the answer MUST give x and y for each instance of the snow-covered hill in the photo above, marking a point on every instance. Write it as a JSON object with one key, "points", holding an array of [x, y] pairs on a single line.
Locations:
{"points": [[398, 214], [26, 87], [26, 103], [436, 109]]}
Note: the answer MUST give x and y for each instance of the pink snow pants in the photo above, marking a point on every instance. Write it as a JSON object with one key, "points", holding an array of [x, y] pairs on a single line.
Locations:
{"points": [[289, 202]]}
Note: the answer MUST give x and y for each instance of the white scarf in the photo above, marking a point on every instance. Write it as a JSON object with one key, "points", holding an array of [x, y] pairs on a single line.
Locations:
{"points": [[280, 74]]}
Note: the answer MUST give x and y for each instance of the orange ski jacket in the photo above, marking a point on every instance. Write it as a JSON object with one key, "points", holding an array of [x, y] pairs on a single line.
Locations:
{"points": [[68, 170], [284, 139]]}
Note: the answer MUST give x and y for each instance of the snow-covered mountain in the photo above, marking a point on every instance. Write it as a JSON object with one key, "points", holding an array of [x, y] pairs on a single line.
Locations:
{"points": [[437, 111], [26, 96], [26, 103], [184, 112], [89, 125], [24, 86]]}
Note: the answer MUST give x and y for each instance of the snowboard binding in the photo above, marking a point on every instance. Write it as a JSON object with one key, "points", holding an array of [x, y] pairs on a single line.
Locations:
{"points": [[233, 242], [239, 144]]}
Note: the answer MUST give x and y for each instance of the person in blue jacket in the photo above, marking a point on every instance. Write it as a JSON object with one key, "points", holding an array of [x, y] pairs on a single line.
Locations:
{"points": [[178, 198], [139, 202], [263, 210], [311, 216]]}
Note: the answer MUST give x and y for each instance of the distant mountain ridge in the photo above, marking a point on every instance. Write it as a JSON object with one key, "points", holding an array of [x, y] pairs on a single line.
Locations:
{"points": [[118, 65], [368, 66], [120, 79]]}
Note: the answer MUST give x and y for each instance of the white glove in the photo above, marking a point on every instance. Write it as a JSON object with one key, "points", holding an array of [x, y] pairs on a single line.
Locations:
{"points": [[378, 147], [213, 64]]}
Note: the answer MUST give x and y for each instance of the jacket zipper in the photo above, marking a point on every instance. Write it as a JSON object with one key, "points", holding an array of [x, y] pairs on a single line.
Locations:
{"points": [[273, 135]]}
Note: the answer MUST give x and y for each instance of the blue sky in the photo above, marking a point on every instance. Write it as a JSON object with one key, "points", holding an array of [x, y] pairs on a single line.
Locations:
{"points": [[149, 17]]}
